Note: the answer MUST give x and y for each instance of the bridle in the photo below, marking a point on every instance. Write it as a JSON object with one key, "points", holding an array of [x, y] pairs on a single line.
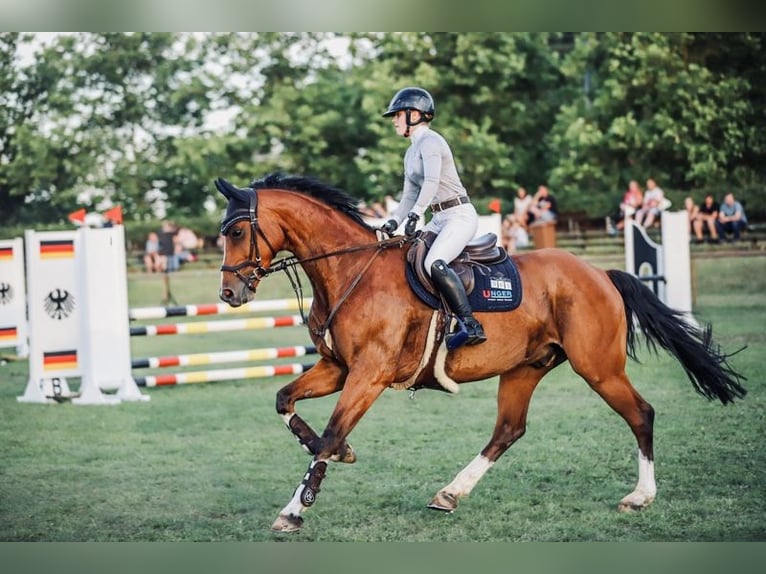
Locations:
{"points": [[289, 264], [251, 214]]}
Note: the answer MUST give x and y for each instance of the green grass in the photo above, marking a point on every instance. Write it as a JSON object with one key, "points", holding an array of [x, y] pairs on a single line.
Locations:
{"points": [[214, 462]]}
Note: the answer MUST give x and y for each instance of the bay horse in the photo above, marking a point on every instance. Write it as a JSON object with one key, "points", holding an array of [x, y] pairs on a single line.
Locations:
{"points": [[373, 333]]}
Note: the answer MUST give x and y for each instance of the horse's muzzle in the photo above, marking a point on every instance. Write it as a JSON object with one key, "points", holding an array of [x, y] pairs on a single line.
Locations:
{"points": [[233, 297]]}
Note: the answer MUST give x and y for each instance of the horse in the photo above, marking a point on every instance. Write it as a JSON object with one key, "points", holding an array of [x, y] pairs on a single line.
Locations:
{"points": [[373, 333]]}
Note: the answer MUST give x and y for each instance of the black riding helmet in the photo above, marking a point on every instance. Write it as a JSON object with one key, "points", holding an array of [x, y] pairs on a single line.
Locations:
{"points": [[412, 98]]}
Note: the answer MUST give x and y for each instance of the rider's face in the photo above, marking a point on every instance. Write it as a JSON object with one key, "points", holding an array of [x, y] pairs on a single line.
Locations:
{"points": [[399, 119]]}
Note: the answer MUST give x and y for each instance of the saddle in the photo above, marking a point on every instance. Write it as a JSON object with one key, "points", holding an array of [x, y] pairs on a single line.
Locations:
{"points": [[481, 251]]}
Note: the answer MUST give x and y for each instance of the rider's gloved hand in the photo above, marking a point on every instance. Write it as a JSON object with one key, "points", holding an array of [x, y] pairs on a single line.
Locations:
{"points": [[389, 226], [412, 221]]}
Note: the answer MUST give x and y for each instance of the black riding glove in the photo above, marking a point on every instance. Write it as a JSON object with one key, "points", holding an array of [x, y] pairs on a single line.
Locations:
{"points": [[389, 226], [412, 221]]}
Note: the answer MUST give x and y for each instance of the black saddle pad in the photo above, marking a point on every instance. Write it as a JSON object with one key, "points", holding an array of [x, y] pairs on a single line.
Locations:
{"points": [[497, 287]]}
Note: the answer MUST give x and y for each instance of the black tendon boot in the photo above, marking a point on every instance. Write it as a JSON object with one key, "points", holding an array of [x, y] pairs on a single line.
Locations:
{"points": [[450, 286]]}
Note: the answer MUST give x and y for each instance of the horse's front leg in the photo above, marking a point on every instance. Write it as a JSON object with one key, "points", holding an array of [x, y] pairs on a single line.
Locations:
{"points": [[357, 396], [324, 378]]}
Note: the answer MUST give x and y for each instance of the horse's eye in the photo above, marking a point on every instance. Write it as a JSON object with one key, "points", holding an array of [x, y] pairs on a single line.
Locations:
{"points": [[236, 233]]}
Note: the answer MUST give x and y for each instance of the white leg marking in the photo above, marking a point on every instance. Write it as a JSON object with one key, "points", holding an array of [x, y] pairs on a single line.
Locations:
{"points": [[467, 478], [646, 482], [646, 488]]}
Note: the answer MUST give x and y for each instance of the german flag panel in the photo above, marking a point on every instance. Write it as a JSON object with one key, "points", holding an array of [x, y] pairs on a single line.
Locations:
{"points": [[6, 253], [60, 360], [57, 249], [7, 333]]}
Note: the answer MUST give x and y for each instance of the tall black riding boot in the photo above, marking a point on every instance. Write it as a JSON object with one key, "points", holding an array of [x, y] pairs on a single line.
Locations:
{"points": [[450, 286]]}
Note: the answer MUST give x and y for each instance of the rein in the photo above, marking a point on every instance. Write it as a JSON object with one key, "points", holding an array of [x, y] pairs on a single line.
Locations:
{"points": [[289, 264]]}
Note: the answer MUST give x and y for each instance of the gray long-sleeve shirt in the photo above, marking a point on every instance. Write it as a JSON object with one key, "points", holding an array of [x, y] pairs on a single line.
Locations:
{"points": [[430, 175]]}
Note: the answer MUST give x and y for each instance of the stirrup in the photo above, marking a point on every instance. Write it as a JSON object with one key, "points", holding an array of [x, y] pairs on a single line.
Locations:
{"points": [[475, 332], [458, 337], [472, 334]]}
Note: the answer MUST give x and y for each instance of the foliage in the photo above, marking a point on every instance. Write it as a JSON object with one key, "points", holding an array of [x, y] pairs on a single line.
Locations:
{"points": [[148, 120]]}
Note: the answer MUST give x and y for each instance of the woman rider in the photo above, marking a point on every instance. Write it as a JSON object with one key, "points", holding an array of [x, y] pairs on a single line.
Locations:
{"points": [[431, 180]]}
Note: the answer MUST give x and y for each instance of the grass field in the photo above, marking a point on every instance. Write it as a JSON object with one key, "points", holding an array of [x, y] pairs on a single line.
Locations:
{"points": [[214, 462]]}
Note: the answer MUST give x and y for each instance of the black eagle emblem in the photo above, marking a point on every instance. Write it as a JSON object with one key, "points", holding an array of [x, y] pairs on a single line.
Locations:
{"points": [[59, 304], [6, 293]]}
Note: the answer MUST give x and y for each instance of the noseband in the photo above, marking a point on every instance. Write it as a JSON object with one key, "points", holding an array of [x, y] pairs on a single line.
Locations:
{"points": [[258, 270]]}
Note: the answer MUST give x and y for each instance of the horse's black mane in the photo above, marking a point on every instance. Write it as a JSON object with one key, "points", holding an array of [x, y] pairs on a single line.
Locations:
{"points": [[332, 196]]}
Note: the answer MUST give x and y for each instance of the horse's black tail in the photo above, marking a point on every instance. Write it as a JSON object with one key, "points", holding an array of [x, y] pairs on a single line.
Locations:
{"points": [[707, 367]]}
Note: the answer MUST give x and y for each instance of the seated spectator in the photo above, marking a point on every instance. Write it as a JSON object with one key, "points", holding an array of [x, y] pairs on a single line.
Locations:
{"points": [[169, 246], [544, 207], [707, 218], [630, 203], [732, 217], [651, 208], [692, 211], [187, 244], [153, 262], [513, 233], [521, 205]]}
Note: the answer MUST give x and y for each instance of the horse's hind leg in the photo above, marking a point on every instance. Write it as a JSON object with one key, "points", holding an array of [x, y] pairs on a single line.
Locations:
{"points": [[514, 393], [322, 379], [625, 400], [619, 394]]}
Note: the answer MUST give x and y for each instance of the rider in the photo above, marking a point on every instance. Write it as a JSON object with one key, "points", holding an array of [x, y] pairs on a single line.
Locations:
{"points": [[431, 179]]}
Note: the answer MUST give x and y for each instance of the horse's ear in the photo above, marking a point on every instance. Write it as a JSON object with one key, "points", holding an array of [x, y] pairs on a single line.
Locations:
{"points": [[225, 187]]}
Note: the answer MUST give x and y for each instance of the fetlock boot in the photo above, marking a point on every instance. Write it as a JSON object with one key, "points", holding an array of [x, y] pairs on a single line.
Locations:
{"points": [[469, 331]]}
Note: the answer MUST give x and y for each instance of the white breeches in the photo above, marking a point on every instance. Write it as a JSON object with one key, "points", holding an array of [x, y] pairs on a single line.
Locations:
{"points": [[454, 228]]}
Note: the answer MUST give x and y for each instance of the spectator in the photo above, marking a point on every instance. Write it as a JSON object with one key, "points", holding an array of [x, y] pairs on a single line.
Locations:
{"points": [[187, 244], [169, 246], [513, 233], [544, 207], [631, 202], [692, 212], [153, 261], [707, 217], [521, 205], [732, 217], [654, 203]]}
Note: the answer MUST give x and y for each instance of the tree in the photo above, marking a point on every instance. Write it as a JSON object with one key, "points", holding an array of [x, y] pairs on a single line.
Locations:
{"points": [[650, 107], [90, 115]]}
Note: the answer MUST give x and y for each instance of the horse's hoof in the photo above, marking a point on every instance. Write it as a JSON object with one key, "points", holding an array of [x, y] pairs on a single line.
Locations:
{"points": [[629, 504], [345, 454], [287, 523], [443, 501]]}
